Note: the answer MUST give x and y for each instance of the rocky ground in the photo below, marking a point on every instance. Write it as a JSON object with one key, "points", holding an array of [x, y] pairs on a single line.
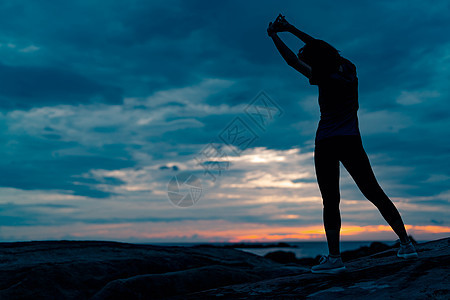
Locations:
{"points": [[110, 270]]}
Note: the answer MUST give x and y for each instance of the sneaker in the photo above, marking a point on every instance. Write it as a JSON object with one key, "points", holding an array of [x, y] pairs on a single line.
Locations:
{"points": [[407, 251], [330, 265]]}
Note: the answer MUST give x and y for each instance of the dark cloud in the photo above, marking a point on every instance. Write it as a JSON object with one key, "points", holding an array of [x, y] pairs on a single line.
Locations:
{"points": [[12, 214], [437, 222], [33, 167], [173, 168], [57, 174], [26, 87]]}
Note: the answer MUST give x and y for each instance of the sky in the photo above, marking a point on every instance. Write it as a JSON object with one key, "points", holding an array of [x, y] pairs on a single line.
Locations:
{"points": [[179, 121]]}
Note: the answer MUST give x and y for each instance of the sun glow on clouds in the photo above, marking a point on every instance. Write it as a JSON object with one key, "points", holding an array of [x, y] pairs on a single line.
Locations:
{"points": [[263, 155], [265, 180], [268, 168], [277, 171]]}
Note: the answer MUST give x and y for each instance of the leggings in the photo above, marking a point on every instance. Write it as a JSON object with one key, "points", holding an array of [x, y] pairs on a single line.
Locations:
{"points": [[349, 150]]}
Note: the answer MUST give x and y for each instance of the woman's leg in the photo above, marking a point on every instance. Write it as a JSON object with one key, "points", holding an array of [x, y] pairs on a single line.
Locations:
{"points": [[327, 173], [355, 160]]}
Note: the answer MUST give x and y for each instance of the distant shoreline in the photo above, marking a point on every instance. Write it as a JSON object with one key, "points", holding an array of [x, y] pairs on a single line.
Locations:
{"points": [[261, 244], [226, 244]]}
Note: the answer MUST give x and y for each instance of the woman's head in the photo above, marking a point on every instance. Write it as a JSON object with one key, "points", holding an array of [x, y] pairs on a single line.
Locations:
{"points": [[321, 55]]}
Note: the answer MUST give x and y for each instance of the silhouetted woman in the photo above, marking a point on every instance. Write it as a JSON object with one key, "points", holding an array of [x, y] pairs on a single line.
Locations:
{"points": [[337, 138]]}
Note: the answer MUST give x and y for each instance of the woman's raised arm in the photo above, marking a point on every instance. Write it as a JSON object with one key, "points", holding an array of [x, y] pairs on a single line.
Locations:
{"points": [[281, 25], [300, 34], [289, 56]]}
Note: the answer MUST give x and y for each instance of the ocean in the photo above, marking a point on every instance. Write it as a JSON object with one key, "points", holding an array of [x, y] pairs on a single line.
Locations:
{"points": [[303, 249]]}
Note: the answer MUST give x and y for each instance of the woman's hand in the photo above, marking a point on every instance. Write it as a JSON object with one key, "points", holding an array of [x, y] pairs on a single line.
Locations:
{"points": [[271, 30], [279, 25]]}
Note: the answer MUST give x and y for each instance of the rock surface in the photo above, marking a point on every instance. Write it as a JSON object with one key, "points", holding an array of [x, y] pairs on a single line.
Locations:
{"points": [[110, 270]]}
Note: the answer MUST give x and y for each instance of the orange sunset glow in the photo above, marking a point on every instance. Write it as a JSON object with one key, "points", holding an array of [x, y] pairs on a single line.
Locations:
{"points": [[220, 231]]}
